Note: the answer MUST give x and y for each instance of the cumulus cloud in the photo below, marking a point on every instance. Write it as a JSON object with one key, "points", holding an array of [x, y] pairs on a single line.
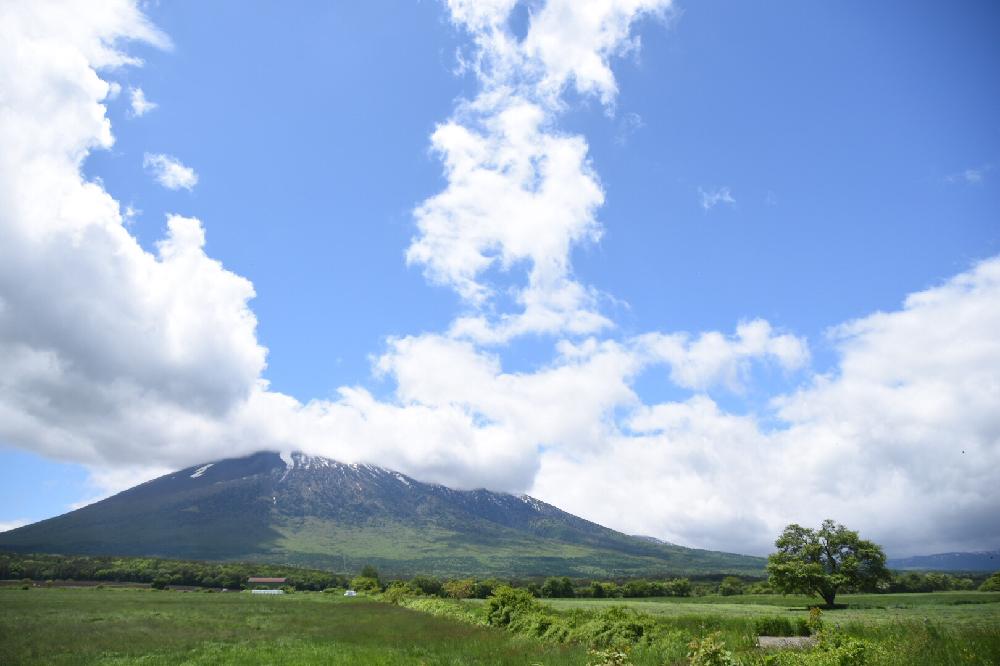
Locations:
{"points": [[520, 193], [900, 441], [713, 358], [133, 361], [169, 172], [139, 104], [713, 197]]}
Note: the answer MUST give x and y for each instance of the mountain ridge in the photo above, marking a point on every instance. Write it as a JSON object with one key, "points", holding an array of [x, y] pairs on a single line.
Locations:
{"points": [[314, 511], [982, 560]]}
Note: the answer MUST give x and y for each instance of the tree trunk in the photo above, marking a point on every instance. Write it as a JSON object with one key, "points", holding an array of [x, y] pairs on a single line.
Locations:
{"points": [[829, 596]]}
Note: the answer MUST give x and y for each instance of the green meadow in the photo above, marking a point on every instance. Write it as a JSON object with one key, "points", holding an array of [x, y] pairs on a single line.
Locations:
{"points": [[150, 627], [142, 626], [950, 609]]}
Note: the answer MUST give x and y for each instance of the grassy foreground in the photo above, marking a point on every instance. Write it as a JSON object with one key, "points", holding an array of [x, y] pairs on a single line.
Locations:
{"points": [[869, 630], [951, 609], [141, 626], [126, 626]]}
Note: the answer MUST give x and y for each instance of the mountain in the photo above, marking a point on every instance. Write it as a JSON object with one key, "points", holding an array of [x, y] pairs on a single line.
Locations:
{"points": [[652, 539], [978, 561], [317, 512]]}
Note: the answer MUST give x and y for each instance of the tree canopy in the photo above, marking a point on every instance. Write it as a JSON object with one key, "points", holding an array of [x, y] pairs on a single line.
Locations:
{"points": [[824, 561]]}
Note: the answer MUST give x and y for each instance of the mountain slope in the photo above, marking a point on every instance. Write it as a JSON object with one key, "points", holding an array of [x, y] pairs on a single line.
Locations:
{"points": [[317, 512], [981, 561]]}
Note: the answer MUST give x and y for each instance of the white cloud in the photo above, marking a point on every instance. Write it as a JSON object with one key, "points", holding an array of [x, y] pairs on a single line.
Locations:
{"points": [[8, 525], [132, 361], [139, 104], [712, 197], [574, 41], [970, 176], [521, 195], [713, 358], [169, 172], [901, 442]]}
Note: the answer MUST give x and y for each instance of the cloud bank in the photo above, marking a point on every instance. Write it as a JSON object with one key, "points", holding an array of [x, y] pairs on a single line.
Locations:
{"points": [[132, 362]]}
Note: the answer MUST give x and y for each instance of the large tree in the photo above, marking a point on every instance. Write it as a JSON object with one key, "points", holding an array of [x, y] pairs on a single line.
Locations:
{"points": [[823, 561]]}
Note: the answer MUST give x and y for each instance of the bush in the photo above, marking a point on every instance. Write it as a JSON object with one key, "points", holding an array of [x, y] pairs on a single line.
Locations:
{"points": [[815, 621], [366, 584], [160, 583], [507, 603], [608, 657], [710, 651], [397, 592], [615, 627], [730, 585], [459, 589], [678, 587]]}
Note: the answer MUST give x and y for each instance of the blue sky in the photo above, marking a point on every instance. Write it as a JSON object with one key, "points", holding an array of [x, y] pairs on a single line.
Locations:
{"points": [[805, 164]]}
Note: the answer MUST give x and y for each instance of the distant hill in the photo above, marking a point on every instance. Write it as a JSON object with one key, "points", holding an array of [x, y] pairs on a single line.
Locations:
{"points": [[979, 561], [320, 513]]}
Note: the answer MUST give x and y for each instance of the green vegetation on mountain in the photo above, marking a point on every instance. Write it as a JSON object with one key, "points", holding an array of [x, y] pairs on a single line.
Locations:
{"points": [[318, 513]]}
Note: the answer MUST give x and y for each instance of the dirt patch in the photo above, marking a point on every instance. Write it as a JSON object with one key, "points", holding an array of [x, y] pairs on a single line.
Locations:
{"points": [[786, 642]]}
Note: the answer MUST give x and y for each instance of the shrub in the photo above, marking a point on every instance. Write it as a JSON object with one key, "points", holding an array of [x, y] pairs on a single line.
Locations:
{"points": [[459, 589], [710, 651], [678, 587], [608, 657], [397, 592], [815, 621], [366, 584], [160, 583], [615, 626], [506, 603], [730, 585]]}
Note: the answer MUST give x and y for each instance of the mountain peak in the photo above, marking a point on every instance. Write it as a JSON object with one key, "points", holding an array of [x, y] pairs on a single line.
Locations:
{"points": [[309, 510]]}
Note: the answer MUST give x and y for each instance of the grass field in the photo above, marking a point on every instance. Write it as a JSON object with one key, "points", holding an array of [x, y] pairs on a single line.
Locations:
{"points": [[948, 608], [125, 626], [141, 626]]}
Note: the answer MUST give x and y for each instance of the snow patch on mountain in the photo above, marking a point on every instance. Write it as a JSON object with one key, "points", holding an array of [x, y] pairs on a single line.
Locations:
{"points": [[201, 470]]}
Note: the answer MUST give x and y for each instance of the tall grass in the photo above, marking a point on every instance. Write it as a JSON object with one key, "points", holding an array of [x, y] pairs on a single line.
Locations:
{"points": [[92, 626]]}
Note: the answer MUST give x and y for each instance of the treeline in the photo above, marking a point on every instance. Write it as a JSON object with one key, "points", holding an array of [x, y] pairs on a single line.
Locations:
{"points": [[929, 582], [559, 588], [233, 576], [159, 572]]}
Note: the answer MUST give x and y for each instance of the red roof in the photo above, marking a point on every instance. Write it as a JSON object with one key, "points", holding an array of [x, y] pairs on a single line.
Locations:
{"points": [[266, 580]]}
